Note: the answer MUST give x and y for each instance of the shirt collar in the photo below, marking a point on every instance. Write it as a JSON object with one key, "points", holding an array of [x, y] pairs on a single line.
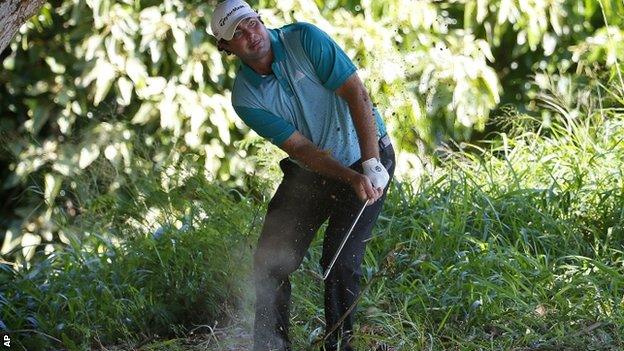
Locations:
{"points": [[278, 55]]}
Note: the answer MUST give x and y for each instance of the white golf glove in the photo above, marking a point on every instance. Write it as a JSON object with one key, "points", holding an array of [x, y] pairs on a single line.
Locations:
{"points": [[376, 172]]}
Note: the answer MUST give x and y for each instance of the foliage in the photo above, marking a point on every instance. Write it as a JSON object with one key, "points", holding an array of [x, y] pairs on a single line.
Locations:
{"points": [[533, 36], [117, 135], [516, 245], [99, 290], [513, 246], [90, 82]]}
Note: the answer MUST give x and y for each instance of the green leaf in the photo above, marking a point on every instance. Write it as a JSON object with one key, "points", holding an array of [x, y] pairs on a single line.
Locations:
{"points": [[52, 187], [491, 82], [41, 114], [93, 45], [114, 57], [482, 10], [135, 69], [180, 45], [198, 73], [156, 49], [124, 85], [88, 154], [55, 67], [485, 49], [154, 86], [145, 113], [469, 14], [105, 75]]}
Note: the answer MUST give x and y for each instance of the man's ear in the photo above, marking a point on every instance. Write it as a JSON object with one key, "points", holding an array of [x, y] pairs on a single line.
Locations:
{"points": [[221, 46]]}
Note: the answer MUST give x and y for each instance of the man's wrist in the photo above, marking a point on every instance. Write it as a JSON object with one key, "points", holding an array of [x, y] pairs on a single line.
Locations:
{"points": [[368, 156], [350, 175]]}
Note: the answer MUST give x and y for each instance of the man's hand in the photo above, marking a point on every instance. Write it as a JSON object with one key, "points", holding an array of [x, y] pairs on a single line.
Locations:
{"points": [[364, 189], [377, 173]]}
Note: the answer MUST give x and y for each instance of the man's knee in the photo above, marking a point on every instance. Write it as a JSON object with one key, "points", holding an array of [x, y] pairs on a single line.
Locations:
{"points": [[275, 262]]}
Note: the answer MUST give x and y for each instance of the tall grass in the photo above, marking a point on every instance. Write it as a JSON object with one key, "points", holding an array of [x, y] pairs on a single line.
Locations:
{"points": [[515, 246], [136, 286]]}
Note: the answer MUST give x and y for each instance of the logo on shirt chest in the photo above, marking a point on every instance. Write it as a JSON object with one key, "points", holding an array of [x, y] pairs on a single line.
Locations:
{"points": [[298, 76]]}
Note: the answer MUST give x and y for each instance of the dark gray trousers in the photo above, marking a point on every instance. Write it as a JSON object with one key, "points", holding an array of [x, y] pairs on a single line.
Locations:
{"points": [[303, 201]]}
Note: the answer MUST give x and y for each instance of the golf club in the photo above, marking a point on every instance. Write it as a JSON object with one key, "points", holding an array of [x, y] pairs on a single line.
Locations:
{"points": [[344, 241]]}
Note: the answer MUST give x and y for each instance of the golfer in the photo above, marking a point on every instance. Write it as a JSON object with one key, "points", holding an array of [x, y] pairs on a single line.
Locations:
{"points": [[298, 89]]}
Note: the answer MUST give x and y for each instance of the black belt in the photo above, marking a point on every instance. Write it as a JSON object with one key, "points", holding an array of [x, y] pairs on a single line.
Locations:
{"points": [[384, 141]]}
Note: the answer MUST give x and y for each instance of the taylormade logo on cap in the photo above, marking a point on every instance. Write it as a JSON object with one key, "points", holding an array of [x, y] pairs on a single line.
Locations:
{"points": [[226, 17], [222, 21]]}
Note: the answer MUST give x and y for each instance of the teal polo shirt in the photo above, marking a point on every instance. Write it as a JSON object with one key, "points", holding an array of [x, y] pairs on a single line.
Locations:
{"points": [[308, 67]]}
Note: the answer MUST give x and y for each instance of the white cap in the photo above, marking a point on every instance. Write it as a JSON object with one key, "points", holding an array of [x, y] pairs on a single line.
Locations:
{"points": [[226, 17]]}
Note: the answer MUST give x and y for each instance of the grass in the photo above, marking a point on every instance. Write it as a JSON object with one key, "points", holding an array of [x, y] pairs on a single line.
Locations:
{"points": [[511, 245], [99, 290]]}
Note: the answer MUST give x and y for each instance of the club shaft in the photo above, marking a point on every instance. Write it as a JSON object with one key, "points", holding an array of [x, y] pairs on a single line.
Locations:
{"points": [[344, 241]]}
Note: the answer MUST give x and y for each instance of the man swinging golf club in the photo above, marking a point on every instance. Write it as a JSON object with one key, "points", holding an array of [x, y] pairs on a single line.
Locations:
{"points": [[298, 89]]}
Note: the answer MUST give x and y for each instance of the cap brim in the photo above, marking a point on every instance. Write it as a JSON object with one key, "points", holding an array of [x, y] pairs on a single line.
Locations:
{"points": [[229, 33]]}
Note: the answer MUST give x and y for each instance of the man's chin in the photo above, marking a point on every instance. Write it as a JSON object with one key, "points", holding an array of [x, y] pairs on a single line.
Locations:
{"points": [[256, 55]]}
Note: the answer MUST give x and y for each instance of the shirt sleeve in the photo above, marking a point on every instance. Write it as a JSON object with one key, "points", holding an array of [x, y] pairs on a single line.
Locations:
{"points": [[330, 62], [267, 125]]}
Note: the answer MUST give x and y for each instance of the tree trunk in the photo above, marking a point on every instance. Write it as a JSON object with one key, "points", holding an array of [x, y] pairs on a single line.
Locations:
{"points": [[13, 13]]}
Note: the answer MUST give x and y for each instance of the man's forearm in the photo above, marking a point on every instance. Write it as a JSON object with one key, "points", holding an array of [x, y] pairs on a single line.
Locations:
{"points": [[361, 109], [323, 163], [364, 122]]}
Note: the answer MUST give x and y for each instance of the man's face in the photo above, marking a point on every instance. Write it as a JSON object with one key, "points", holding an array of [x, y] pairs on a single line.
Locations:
{"points": [[250, 41]]}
